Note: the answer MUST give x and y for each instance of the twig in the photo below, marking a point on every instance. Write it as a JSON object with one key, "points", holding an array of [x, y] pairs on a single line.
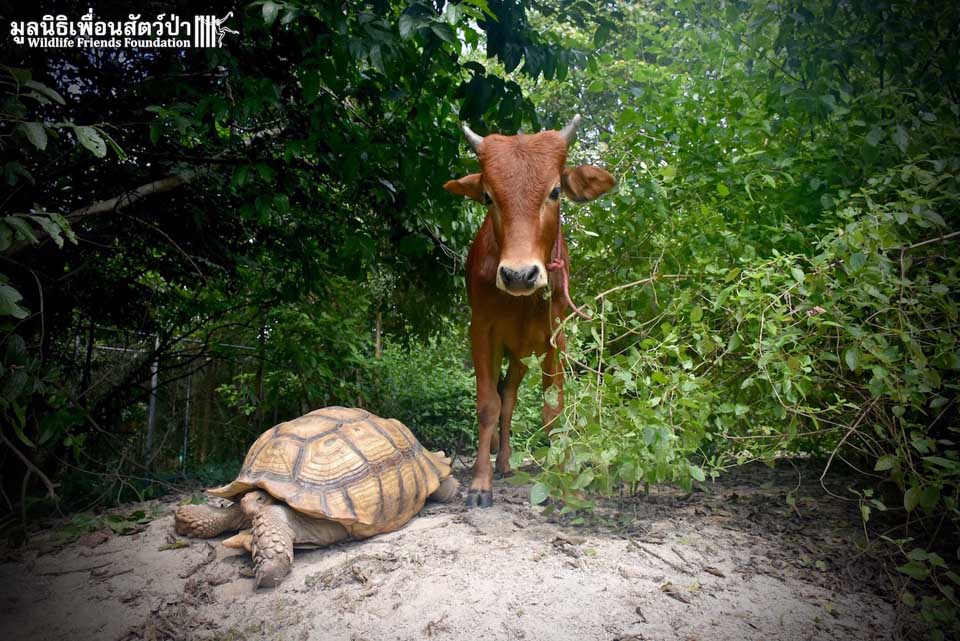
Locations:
{"points": [[938, 239], [211, 555], [796, 490], [673, 565], [680, 556], [31, 467], [172, 242], [833, 454], [72, 570], [43, 323], [604, 294], [107, 577]]}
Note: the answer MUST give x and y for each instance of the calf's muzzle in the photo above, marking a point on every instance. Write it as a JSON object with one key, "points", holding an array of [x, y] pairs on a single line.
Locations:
{"points": [[521, 280]]}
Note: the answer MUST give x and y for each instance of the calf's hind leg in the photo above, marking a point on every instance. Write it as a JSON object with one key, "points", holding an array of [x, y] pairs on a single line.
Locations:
{"points": [[508, 401]]}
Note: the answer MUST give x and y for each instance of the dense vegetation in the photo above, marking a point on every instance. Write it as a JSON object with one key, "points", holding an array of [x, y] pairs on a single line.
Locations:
{"points": [[775, 275]]}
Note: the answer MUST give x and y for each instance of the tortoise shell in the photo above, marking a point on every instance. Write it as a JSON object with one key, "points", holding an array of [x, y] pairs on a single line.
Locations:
{"points": [[342, 464]]}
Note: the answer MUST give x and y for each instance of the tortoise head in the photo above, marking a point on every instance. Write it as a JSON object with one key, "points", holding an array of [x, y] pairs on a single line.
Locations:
{"points": [[255, 500]]}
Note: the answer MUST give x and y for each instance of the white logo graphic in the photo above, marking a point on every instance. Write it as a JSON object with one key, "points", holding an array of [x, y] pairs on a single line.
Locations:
{"points": [[58, 32]]}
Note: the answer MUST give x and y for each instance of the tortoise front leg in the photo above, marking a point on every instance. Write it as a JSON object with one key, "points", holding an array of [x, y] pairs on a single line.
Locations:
{"points": [[206, 521], [272, 537]]}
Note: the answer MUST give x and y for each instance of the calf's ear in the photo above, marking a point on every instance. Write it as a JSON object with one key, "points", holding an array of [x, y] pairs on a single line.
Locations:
{"points": [[469, 186], [586, 182]]}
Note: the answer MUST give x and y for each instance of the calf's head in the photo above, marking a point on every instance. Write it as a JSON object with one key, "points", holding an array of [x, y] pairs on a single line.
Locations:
{"points": [[520, 181]]}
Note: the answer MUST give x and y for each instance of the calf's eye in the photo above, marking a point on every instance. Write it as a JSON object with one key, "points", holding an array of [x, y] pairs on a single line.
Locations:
{"points": [[555, 194], [487, 200]]}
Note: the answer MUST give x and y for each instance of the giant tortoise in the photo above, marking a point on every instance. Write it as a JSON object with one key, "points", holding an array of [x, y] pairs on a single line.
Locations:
{"points": [[334, 474]]}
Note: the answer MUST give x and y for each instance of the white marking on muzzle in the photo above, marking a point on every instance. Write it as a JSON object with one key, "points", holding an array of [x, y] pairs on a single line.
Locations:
{"points": [[538, 284]]}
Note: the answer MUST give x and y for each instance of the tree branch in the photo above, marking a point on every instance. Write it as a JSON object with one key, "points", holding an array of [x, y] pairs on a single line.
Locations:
{"points": [[115, 204]]}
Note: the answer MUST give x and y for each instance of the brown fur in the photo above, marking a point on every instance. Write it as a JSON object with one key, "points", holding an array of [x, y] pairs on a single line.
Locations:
{"points": [[521, 227]]}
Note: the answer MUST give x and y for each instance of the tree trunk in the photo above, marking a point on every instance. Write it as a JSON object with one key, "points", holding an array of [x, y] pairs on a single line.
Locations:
{"points": [[261, 348], [152, 406]]}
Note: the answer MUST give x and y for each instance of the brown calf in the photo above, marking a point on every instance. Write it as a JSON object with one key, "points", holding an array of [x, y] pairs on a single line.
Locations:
{"points": [[520, 181]]}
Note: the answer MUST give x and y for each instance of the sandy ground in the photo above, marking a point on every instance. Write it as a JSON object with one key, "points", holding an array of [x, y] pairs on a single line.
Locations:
{"points": [[732, 562]]}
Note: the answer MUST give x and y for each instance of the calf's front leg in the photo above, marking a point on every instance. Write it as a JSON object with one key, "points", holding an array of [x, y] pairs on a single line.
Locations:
{"points": [[486, 365]]}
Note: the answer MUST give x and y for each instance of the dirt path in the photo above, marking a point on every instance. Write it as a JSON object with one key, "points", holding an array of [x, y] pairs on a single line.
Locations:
{"points": [[731, 563]]}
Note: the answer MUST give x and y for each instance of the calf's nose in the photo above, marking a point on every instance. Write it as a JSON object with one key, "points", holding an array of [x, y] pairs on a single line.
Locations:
{"points": [[520, 279]]}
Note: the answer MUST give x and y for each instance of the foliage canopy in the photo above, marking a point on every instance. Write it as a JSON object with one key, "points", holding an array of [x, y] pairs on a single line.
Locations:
{"points": [[776, 274]]}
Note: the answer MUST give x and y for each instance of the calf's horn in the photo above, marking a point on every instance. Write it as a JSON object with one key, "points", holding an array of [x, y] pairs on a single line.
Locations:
{"points": [[476, 141], [570, 131]]}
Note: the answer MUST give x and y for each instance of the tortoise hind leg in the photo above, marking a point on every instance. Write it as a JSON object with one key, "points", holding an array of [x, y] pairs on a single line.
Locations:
{"points": [[449, 489], [206, 521]]}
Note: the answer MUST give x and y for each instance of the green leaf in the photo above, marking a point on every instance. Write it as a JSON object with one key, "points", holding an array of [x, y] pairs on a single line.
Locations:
{"points": [[696, 314], [444, 32], [18, 430], [270, 11], [857, 261], [583, 479], [914, 570], [484, 6], [9, 297], [64, 226], [90, 139], [45, 90], [723, 190], [852, 358], [539, 494], [22, 228], [376, 59], [929, 497], [697, 473], [942, 462], [911, 498], [887, 462], [408, 25], [52, 229], [901, 138], [797, 274], [601, 34], [36, 134], [310, 86]]}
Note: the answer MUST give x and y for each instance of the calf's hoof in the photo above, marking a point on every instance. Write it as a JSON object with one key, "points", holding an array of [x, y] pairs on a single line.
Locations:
{"points": [[479, 498]]}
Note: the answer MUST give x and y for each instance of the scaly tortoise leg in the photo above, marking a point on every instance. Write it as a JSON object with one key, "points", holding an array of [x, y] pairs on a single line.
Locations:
{"points": [[207, 521], [276, 528], [449, 489], [271, 537]]}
